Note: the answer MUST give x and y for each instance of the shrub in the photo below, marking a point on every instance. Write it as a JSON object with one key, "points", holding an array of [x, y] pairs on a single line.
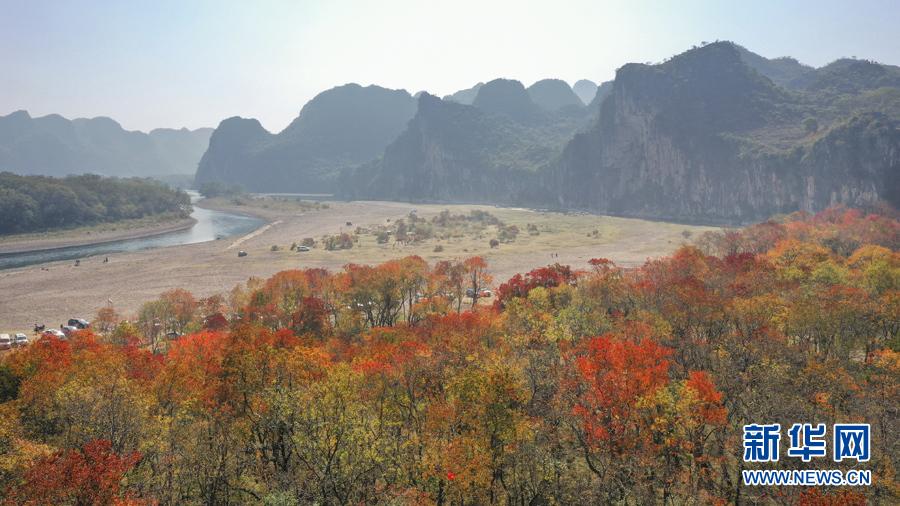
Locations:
{"points": [[335, 242], [508, 234], [811, 125]]}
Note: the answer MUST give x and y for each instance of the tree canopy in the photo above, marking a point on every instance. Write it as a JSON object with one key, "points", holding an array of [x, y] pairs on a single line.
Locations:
{"points": [[380, 384], [40, 203]]}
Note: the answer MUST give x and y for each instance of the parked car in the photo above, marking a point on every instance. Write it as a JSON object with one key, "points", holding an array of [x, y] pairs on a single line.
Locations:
{"points": [[22, 340], [302, 248], [5, 341], [79, 323], [242, 253], [68, 330], [55, 333], [482, 292]]}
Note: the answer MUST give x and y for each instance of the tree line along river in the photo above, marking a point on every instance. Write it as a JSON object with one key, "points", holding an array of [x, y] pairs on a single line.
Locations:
{"points": [[211, 225]]}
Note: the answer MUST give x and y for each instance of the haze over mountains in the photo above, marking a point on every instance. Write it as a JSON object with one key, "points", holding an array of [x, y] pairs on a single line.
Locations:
{"points": [[55, 146], [715, 134], [339, 128], [705, 136], [341, 134]]}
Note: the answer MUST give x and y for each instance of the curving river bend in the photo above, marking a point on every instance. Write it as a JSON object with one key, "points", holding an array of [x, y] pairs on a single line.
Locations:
{"points": [[210, 226]]}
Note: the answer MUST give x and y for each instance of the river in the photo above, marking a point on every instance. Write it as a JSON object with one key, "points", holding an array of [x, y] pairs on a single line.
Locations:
{"points": [[211, 225]]}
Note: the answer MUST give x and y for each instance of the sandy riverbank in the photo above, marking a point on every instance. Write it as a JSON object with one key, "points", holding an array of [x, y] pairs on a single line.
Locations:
{"points": [[32, 242], [52, 293]]}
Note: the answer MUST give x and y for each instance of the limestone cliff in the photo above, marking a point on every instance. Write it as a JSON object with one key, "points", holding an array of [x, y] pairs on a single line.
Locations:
{"points": [[681, 141], [231, 149], [449, 152]]}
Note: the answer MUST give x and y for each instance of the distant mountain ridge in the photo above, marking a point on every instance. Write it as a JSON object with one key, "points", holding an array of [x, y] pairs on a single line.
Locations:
{"points": [[349, 125], [450, 151], [715, 134], [466, 96], [782, 71], [490, 151], [705, 136], [507, 97], [341, 127], [553, 94], [55, 146], [585, 89]]}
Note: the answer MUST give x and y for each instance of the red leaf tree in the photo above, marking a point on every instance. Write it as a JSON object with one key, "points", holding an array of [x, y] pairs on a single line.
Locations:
{"points": [[91, 475]]}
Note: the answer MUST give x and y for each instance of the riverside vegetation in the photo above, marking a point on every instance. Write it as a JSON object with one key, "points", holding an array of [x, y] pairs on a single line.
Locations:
{"points": [[31, 204]]}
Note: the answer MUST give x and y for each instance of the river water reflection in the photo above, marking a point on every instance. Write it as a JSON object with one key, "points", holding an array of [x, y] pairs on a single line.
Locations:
{"points": [[210, 226]]}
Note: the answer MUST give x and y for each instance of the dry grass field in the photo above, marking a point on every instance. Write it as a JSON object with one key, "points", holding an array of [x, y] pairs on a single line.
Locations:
{"points": [[54, 292]]}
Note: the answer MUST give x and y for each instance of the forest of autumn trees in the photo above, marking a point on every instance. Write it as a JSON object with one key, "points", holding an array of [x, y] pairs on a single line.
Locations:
{"points": [[386, 385]]}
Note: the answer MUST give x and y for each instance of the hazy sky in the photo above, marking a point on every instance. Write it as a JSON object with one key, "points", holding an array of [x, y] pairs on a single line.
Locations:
{"points": [[185, 63]]}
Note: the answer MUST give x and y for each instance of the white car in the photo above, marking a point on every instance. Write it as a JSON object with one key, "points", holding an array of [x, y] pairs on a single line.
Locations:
{"points": [[55, 333], [22, 340], [5, 341]]}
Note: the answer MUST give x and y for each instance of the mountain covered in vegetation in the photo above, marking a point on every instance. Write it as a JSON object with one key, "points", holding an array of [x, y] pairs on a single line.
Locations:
{"points": [[341, 127], [553, 94], [716, 134], [704, 136], [349, 126], [491, 151], [450, 151], [55, 146]]}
